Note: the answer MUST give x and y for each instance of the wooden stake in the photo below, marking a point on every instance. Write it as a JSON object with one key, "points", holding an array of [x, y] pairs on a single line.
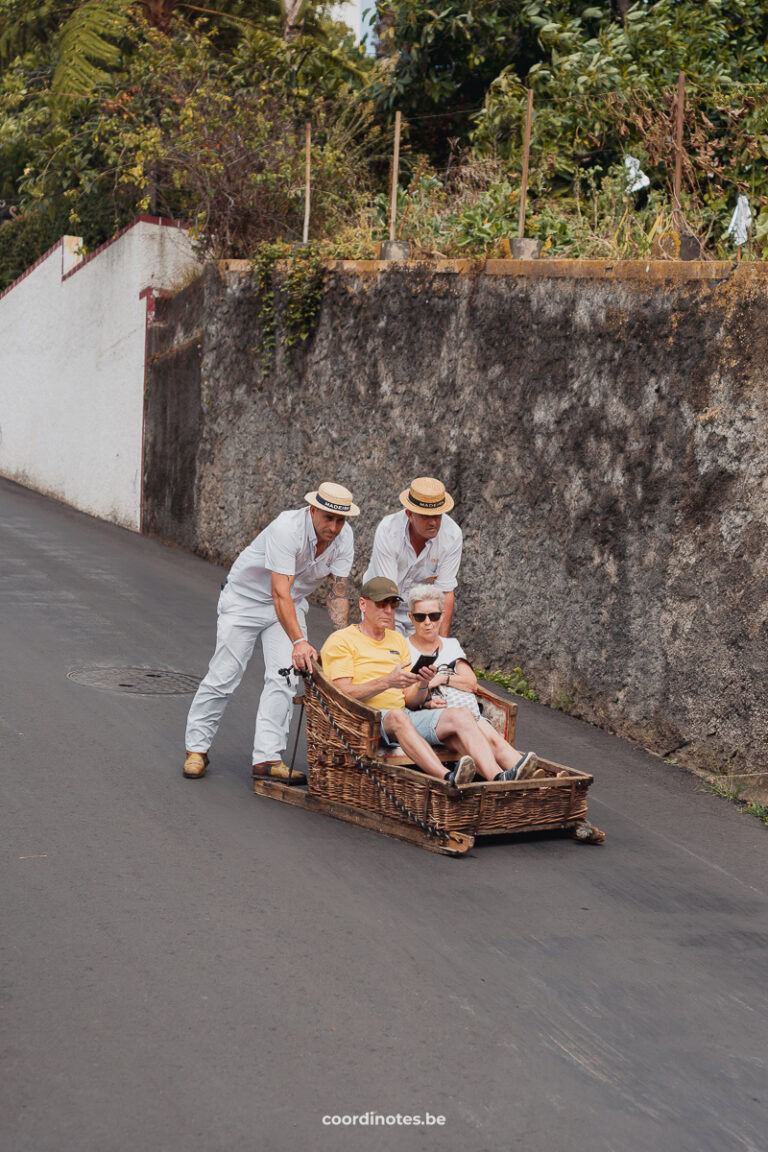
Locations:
{"points": [[679, 146], [526, 154], [307, 145], [152, 189], [395, 168]]}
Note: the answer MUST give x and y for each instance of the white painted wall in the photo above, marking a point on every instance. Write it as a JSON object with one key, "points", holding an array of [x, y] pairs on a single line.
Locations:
{"points": [[72, 350]]}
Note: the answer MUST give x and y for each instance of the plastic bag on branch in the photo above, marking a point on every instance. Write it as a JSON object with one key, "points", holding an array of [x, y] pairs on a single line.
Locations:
{"points": [[636, 178], [740, 222]]}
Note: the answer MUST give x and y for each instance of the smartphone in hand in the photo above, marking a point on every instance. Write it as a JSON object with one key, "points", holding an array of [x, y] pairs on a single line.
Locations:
{"points": [[425, 661]]}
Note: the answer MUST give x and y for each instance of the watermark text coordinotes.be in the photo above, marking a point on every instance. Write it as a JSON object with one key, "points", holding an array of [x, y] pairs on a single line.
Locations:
{"points": [[376, 1119]]}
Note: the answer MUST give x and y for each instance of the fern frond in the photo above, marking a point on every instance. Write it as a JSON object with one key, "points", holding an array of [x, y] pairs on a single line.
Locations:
{"points": [[86, 47]]}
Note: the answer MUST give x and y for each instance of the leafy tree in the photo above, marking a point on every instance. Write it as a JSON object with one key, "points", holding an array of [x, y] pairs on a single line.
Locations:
{"points": [[209, 136], [197, 108], [436, 63], [222, 141], [87, 39], [441, 64], [590, 62]]}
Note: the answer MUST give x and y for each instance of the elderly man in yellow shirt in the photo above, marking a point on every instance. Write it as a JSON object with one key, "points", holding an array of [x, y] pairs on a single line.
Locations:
{"points": [[371, 662]]}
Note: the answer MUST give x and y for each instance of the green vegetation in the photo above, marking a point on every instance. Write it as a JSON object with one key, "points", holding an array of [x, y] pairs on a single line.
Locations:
{"points": [[564, 702], [196, 110], [294, 294], [759, 810], [727, 791], [513, 682], [21, 242]]}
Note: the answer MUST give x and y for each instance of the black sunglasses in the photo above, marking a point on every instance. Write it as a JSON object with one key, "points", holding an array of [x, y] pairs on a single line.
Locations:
{"points": [[390, 602], [420, 617]]}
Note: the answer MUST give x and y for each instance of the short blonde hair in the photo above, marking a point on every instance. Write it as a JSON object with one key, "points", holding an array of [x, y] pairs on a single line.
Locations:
{"points": [[425, 592]]}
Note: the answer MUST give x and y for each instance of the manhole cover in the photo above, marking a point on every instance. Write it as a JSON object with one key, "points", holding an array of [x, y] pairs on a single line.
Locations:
{"points": [[140, 681]]}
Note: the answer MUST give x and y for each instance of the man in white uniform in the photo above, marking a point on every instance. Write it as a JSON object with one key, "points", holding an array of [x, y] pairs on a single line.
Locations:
{"points": [[420, 545], [266, 595]]}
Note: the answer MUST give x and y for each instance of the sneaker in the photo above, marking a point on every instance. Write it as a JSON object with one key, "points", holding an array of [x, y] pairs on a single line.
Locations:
{"points": [[526, 766], [195, 765], [463, 773], [523, 770]]}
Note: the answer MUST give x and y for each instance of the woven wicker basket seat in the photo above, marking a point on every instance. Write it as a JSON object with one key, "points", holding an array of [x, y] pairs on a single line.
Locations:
{"points": [[478, 809]]}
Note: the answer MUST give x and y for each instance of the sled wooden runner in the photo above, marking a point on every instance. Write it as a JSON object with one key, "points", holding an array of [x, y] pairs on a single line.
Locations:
{"points": [[456, 844]]}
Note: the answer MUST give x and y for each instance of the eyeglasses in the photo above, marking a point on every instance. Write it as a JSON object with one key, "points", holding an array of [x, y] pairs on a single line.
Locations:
{"points": [[391, 603], [420, 617]]}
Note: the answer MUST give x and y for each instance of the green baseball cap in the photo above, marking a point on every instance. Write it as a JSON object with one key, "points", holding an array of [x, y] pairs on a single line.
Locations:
{"points": [[378, 588]]}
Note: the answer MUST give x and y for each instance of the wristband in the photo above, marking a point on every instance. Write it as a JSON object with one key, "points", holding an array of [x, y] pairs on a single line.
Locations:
{"points": [[301, 640]]}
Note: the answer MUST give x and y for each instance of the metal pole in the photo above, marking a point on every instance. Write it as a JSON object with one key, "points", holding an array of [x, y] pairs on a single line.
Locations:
{"points": [[526, 154], [395, 167], [679, 146], [307, 143]]}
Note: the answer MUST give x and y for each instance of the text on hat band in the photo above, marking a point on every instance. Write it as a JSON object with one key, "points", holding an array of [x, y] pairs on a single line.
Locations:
{"points": [[426, 503], [329, 504]]}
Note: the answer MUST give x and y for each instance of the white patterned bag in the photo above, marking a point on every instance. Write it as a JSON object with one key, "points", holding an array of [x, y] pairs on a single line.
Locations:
{"points": [[458, 698]]}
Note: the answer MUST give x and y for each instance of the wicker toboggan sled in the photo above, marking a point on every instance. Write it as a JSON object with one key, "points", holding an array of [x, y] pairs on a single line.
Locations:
{"points": [[353, 778]]}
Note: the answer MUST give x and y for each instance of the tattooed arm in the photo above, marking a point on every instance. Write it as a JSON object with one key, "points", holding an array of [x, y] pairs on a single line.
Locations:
{"points": [[338, 602]]}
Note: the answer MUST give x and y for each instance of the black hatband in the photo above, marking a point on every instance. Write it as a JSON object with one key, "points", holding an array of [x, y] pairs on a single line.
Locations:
{"points": [[426, 503], [329, 504]]}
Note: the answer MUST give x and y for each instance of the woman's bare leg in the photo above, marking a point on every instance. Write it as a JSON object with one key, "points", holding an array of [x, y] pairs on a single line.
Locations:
{"points": [[503, 753], [459, 726]]}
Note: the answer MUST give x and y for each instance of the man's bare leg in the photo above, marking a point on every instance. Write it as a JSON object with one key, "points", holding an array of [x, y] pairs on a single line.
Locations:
{"points": [[399, 727]]}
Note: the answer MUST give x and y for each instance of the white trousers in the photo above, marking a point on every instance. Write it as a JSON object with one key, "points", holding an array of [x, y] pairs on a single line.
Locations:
{"points": [[236, 635]]}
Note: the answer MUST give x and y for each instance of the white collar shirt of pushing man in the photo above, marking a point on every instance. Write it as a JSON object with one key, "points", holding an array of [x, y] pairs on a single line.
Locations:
{"points": [[288, 545], [395, 557]]}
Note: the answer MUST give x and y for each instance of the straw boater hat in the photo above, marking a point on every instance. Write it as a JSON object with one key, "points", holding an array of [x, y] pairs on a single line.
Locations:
{"points": [[333, 498], [426, 496]]}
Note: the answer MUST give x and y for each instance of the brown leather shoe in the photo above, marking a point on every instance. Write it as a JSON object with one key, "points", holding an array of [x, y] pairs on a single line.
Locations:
{"points": [[195, 765], [276, 770]]}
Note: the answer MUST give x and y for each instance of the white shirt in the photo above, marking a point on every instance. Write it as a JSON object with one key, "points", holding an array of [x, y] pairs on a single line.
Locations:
{"points": [[449, 653], [394, 556], [288, 546]]}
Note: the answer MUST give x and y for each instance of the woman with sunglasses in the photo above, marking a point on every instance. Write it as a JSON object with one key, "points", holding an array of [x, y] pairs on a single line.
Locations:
{"points": [[453, 670]]}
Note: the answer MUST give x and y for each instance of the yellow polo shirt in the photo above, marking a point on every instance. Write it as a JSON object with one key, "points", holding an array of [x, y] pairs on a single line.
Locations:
{"points": [[349, 652]]}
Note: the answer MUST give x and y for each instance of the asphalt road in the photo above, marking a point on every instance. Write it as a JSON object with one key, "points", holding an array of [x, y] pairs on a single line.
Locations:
{"points": [[186, 967]]}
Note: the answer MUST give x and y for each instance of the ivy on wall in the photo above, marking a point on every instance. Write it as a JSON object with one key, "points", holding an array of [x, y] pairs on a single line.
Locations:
{"points": [[289, 282]]}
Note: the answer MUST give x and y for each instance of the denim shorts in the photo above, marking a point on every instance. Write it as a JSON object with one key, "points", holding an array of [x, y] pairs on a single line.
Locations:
{"points": [[424, 721]]}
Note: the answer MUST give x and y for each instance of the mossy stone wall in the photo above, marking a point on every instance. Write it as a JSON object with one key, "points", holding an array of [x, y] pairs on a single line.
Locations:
{"points": [[603, 430]]}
